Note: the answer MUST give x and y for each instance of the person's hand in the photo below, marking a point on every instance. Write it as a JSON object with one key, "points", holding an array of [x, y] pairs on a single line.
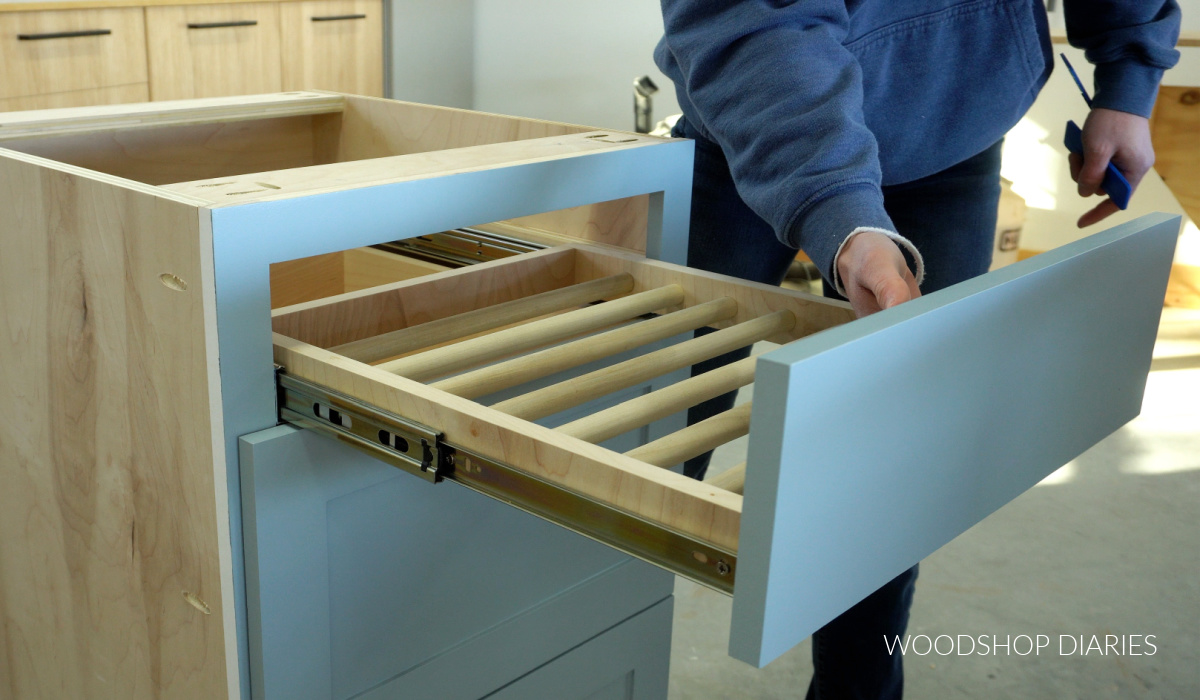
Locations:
{"points": [[1108, 135], [874, 273]]}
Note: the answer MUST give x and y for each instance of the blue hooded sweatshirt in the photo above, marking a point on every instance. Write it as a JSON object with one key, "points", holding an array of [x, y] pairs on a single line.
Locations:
{"points": [[817, 103]]}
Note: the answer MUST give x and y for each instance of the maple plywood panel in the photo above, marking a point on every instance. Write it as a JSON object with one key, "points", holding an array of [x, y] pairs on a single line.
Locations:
{"points": [[157, 156], [371, 312], [114, 541], [375, 127]]}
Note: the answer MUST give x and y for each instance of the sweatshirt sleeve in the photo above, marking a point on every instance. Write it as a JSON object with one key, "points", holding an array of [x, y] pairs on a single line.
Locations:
{"points": [[772, 84], [1131, 43]]}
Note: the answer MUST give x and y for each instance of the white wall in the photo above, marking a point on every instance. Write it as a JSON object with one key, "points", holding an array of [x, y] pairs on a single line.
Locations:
{"points": [[567, 61], [432, 51]]}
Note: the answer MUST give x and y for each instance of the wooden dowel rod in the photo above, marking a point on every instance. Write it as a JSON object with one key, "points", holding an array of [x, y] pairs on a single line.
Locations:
{"points": [[695, 440], [542, 363], [476, 351], [732, 480], [442, 330], [648, 408], [561, 396]]}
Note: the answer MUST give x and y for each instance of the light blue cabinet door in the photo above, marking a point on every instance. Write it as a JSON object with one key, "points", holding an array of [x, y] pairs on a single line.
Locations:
{"points": [[366, 582], [628, 662], [876, 442]]}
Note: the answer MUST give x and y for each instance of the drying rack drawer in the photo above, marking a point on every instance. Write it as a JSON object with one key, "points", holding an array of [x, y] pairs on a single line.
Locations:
{"points": [[871, 442]]}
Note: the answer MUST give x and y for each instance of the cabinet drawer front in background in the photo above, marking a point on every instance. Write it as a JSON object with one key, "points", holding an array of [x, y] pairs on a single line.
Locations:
{"points": [[335, 45], [213, 50], [64, 51]]}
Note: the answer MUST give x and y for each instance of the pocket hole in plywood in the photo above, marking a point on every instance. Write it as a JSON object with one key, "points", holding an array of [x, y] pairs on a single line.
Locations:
{"points": [[268, 185], [230, 194], [194, 601], [217, 184], [172, 282]]}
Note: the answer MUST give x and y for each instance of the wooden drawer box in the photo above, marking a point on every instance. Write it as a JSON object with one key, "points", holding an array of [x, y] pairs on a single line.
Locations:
{"points": [[137, 294], [71, 50]]}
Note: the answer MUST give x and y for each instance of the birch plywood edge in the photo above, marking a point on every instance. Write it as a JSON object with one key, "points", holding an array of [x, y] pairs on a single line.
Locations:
{"points": [[678, 502], [78, 120], [317, 179], [115, 573]]}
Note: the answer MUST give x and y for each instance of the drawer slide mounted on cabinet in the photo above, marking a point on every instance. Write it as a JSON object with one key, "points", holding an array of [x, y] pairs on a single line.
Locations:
{"points": [[420, 450], [872, 443]]}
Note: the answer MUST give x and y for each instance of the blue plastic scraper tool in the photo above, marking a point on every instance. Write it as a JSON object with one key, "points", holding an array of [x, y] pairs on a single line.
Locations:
{"points": [[1114, 183]]}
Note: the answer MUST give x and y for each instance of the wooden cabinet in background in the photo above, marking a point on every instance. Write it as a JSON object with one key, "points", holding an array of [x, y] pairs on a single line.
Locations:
{"points": [[71, 57], [333, 45], [140, 50], [213, 50]]}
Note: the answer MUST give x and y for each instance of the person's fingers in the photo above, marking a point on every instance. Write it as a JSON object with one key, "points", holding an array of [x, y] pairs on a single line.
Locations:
{"points": [[1076, 162], [1098, 213], [1091, 173], [891, 291]]}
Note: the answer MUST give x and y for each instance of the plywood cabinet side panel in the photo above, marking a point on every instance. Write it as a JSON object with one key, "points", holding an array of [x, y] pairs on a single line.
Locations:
{"points": [[376, 127], [812, 313], [170, 154], [684, 504], [136, 92], [357, 315], [363, 268], [109, 511], [620, 222], [43, 65], [333, 45], [191, 60]]}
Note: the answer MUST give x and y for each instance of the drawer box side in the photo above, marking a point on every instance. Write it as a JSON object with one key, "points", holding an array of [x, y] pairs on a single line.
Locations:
{"points": [[689, 506]]}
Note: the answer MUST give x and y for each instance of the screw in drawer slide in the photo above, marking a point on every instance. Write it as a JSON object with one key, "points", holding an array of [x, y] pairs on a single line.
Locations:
{"points": [[403, 443], [421, 450]]}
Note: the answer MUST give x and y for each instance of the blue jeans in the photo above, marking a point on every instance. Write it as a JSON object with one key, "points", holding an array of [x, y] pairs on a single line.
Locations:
{"points": [[951, 217]]}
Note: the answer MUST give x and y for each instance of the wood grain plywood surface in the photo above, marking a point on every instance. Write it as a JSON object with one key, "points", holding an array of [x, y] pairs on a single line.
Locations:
{"points": [[333, 45], [687, 505], [31, 66], [220, 151], [110, 535], [373, 127], [191, 58], [371, 312]]}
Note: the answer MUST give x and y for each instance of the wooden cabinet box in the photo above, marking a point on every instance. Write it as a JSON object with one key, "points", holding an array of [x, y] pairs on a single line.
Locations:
{"points": [[141, 345]]}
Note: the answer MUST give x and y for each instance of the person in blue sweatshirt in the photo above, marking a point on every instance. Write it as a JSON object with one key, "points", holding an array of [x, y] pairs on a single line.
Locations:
{"points": [[867, 133]]}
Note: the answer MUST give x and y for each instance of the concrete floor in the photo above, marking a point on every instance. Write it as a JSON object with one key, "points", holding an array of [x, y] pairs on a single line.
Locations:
{"points": [[1109, 544]]}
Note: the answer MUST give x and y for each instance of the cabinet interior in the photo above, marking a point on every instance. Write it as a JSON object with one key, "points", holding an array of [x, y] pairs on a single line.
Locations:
{"points": [[298, 130]]}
